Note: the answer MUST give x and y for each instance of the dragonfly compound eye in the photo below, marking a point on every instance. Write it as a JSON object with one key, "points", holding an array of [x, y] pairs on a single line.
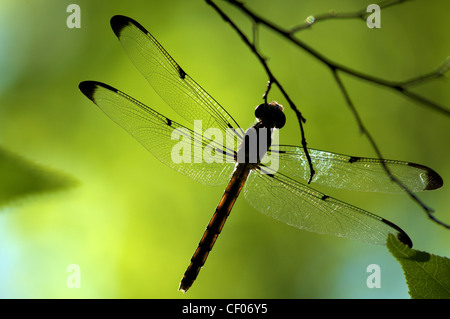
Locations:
{"points": [[271, 115], [279, 120], [261, 111], [278, 117]]}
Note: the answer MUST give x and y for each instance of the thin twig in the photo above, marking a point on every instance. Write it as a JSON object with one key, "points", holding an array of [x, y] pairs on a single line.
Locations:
{"points": [[272, 80], [439, 72], [360, 14], [344, 91], [266, 93]]}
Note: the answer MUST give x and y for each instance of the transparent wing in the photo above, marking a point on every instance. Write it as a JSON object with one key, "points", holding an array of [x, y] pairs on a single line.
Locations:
{"points": [[168, 79], [300, 206], [354, 173], [170, 142]]}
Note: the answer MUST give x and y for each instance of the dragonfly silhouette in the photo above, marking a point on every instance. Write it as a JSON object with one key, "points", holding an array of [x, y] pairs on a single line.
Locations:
{"points": [[276, 193]]}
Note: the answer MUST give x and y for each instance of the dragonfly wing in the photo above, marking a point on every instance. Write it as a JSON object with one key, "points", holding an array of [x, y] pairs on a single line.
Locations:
{"points": [[354, 173], [168, 79], [298, 205], [172, 143]]}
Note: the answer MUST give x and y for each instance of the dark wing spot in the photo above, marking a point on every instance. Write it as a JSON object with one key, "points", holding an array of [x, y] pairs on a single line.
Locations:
{"points": [[169, 122], [402, 236], [434, 180], [119, 22], [325, 197], [88, 88], [181, 73], [354, 159]]}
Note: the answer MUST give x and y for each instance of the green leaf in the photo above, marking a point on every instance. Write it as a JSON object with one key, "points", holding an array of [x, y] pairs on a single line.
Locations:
{"points": [[20, 178], [427, 275]]}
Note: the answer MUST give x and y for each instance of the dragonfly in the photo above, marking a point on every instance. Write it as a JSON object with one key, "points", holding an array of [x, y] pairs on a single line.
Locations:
{"points": [[278, 192]]}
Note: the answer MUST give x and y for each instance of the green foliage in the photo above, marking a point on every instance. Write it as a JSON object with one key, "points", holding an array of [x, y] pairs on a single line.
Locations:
{"points": [[20, 178], [427, 275]]}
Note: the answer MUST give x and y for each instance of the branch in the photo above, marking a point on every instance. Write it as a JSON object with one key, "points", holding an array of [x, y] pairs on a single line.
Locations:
{"points": [[360, 14], [272, 80], [364, 131], [400, 87], [396, 86], [440, 71]]}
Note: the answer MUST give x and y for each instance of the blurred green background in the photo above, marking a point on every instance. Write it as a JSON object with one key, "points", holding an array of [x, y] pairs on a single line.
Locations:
{"points": [[132, 224]]}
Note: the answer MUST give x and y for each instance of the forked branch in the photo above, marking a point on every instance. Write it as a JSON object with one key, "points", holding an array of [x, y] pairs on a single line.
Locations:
{"points": [[360, 14], [335, 68]]}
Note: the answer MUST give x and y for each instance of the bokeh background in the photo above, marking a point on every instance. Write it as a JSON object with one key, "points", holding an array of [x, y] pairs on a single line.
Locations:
{"points": [[132, 224]]}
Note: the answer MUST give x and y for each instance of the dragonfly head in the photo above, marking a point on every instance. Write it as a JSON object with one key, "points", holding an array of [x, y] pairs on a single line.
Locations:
{"points": [[271, 115]]}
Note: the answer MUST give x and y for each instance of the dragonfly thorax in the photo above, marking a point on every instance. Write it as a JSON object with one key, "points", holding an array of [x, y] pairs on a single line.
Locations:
{"points": [[258, 138]]}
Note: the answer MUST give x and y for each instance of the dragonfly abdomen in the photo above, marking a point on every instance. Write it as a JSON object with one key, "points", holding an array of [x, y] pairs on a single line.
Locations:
{"points": [[215, 225]]}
